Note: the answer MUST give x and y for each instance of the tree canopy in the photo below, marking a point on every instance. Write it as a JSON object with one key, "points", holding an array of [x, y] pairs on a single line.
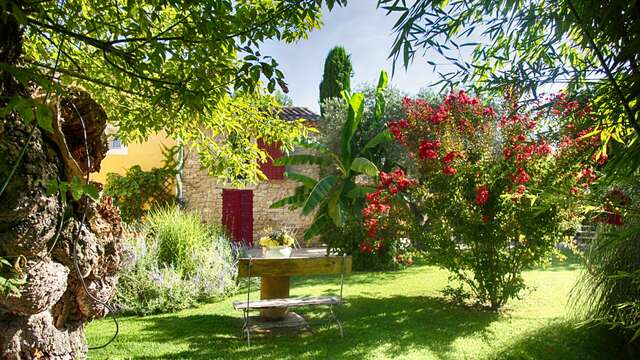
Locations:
{"points": [[193, 69]]}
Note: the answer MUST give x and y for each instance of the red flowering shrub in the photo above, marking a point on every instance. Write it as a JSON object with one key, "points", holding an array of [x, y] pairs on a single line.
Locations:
{"points": [[496, 194], [380, 217]]}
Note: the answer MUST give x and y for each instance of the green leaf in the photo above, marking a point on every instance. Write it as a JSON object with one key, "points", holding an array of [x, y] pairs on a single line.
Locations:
{"points": [[91, 191], [294, 201], [364, 166], [85, 9], [359, 192], [635, 336], [44, 117], [354, 116], [307, 181], [5, 262], [334, 208], [301, 159], [20, 16], [380, 102], [383, 136], [77, 188], [52, 187], [319, 194], [319, 225], [25, 109]]}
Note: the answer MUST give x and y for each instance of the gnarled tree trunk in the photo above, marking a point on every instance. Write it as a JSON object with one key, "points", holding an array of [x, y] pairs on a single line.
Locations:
{"points": [[70, 263]]}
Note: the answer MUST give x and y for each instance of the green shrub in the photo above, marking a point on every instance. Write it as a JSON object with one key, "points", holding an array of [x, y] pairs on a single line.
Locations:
{"points": [[179, 236], [348, 240], [177, 261]]}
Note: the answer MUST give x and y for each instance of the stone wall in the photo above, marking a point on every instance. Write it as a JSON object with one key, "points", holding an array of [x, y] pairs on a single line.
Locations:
{"points": [[203, 194]]}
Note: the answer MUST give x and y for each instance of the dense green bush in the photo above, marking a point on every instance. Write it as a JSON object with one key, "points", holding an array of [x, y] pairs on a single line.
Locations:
{"points": [[349, 239], [137, 191], [177, 261]]}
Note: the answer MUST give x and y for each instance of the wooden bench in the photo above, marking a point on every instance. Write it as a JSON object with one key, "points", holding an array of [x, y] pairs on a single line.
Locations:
{"points": [[287, 302], [275, 274]]}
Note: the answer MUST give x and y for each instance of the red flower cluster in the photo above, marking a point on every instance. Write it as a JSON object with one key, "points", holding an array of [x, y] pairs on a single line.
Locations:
{"points": [[458, 137], [448, 170], [482, 195], [396, 128], [365, 248], [579, 141], [428, 149], [452, 155], [521, 151], [561, 106], [586, 177], [379, 202], [600, 158], [611, 215], [521, 176]]}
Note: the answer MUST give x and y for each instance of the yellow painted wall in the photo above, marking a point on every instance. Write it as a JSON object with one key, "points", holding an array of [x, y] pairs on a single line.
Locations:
{"points": [[148, 155]]}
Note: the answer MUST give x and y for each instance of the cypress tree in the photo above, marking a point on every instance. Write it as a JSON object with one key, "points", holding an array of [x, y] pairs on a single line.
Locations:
{"points": [[337, 74]]}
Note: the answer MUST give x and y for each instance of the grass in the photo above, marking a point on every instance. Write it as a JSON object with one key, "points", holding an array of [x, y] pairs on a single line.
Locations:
{"points": [[399, 315]]}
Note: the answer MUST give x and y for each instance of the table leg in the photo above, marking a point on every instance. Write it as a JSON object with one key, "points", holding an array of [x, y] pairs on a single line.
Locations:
{"points": [[274, 288]]}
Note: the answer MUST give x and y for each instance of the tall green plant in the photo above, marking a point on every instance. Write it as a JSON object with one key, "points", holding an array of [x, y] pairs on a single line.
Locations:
{"points": [[179, 236], [336, 196], [337, 75], [335, 111]]}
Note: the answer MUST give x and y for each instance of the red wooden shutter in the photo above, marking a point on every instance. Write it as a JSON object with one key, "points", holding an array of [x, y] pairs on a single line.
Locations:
{"points": [[237, 214], [271, 171]]}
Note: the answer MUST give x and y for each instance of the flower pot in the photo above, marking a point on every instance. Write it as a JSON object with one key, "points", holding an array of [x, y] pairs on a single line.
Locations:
{"points": [[277, 252]]}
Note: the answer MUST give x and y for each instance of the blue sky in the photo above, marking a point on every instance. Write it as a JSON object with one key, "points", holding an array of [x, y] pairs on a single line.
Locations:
{"points": [[366, 33]]}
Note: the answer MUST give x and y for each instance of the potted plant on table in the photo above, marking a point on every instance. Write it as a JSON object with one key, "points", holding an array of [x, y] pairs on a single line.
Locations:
{"points": [[277, 243]]}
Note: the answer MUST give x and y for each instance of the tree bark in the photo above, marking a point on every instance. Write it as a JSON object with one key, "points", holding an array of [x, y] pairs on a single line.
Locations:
{"points": [[46, 319]]}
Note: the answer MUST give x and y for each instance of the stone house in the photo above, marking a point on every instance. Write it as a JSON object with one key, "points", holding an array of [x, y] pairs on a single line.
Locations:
{"points": [[245, 211]]}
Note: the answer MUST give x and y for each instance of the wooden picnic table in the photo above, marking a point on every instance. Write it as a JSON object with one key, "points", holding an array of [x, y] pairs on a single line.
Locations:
{"points": [[276, 272]]}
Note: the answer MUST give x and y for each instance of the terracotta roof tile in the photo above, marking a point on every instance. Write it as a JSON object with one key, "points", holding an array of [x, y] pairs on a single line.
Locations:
{"points": [[291, 113]]}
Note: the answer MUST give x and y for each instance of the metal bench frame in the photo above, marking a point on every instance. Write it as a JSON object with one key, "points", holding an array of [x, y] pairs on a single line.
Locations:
{"points": [[246, 330]]}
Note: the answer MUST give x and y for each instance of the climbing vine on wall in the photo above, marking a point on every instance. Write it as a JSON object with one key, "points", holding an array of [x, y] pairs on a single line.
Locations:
{"points": [[138, 191]]}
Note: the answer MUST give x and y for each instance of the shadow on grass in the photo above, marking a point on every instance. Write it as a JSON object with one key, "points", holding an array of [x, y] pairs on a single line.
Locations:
{"points": [[560, 340], [390, 325]]}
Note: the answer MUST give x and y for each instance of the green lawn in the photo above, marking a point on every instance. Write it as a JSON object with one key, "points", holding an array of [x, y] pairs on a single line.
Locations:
{"points": [[398, 315]]}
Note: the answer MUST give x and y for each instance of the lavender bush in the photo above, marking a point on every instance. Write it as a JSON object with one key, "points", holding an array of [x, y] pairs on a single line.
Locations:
{"points": [[203, 268]]}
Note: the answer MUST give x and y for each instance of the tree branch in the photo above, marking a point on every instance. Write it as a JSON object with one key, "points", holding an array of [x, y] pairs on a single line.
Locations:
{"points": [[82, 76], [140, 76]]}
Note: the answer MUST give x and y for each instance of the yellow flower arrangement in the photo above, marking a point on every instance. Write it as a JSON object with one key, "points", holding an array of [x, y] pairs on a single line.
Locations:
{"points": [[275, 239]]}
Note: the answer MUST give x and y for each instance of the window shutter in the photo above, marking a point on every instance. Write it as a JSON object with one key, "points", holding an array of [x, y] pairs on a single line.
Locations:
{"points": [[271, 171]]}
